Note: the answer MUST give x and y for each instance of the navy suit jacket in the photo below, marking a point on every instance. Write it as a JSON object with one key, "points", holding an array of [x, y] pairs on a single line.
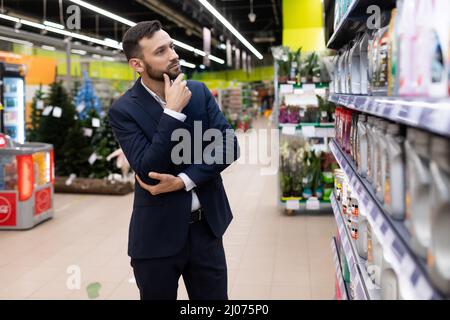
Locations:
{"points": [[159, 224]]}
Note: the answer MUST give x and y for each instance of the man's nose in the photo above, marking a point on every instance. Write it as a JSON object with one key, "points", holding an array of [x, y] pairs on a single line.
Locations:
{"points": [[174, 55]]}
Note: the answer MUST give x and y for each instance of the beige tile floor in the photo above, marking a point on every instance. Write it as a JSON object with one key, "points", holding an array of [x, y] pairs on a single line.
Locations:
{"points": [[269, 255]]}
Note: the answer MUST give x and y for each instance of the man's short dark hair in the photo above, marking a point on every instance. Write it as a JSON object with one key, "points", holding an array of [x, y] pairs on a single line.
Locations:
{"points": [[131, 38]]}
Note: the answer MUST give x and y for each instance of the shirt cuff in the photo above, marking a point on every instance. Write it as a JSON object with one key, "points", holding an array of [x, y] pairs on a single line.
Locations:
{"points": [[188, 183], [177, 115]]}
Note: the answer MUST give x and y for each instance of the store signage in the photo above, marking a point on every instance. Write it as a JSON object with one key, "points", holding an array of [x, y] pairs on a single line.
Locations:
{"points": [[7, 209], [43, 201], [206, 46]]}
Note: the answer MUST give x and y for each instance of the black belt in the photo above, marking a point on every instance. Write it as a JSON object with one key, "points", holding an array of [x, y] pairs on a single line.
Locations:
{"points": [[196, 215]]}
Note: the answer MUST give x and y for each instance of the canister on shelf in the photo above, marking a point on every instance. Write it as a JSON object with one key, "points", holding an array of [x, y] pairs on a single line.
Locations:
{"points": [[439, 251], [379, 132], [375, 258], [361, 158], [418, 181], [362, 245], [389, 283], [393, 172], [370, 146]]}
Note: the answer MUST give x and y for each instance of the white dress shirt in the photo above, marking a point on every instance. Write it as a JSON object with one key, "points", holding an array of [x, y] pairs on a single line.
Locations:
{"points": [[188, 183]]}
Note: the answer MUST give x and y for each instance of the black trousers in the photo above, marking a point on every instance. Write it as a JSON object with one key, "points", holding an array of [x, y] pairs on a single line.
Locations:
{"points": [[201, 262]]}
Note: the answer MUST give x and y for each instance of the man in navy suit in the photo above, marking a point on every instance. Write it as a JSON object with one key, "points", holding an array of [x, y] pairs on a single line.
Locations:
{"points": [[180, 210]]}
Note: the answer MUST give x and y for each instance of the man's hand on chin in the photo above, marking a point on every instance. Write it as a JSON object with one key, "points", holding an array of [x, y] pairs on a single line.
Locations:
{"points": [[168, 183]]}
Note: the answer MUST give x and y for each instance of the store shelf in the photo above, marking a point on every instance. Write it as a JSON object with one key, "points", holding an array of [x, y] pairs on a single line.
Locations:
{"points": [[428, 114], [310, 130], [355, 20], [338, 269], [391, 234], [299, 204], [364, 288]]}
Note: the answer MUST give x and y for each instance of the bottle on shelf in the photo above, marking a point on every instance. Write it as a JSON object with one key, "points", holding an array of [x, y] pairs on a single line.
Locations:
{"points": [[439, 251], [418, 182], [393, 169], [362, 142]]}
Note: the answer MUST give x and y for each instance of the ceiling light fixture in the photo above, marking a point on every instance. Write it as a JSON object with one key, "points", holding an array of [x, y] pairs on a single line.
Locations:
{"points": [[187, 64], [25, 43], [230, 27], [54, 25], [132, 24]]}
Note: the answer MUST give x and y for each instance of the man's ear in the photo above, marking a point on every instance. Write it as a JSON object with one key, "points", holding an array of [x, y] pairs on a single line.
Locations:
{"points": [[136, 65]]}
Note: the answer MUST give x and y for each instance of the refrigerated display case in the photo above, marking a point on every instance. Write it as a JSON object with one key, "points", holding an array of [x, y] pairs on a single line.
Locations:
{"points": [[12, 101], [26, 183]]}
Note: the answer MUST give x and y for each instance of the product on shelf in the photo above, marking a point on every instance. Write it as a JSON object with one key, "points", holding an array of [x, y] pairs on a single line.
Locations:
{"points": [[375, 259], [380, 86], [362, 244], [439, 251], [362, 145], [354, 219], [389, 283], [393, 168], [364, 63], [379, 136], [393, 46], [370, 147], [418, 184], [354, 68]]}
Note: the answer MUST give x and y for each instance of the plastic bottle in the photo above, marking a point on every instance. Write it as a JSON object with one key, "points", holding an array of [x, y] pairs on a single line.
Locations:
{"points": [[362, 241], [393, 169], [439, 252], [370, 146], [389, 283], [418, 221], [375, 259], [361, 159], [363, 65]]}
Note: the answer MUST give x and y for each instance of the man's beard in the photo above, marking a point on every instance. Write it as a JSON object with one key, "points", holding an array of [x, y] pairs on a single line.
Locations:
{"points": [[159, 75]]}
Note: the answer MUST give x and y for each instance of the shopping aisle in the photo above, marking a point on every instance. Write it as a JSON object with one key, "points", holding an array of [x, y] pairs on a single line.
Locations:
{"points": [[270, 255]]}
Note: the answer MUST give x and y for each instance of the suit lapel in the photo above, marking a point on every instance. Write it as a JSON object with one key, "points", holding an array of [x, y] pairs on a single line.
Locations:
{"points": [[146, 101]]}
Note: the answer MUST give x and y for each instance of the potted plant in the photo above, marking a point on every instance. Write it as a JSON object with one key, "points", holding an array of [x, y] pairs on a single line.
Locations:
{"points": [[311, 68]]}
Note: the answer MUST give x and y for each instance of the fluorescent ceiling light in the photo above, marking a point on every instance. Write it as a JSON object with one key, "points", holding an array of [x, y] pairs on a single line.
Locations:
{"points": [[6, 17], [218, 60], [132, 24], [81, 52], [49, 48], [53, 24], [32, 24], [25, 43], [202, 67], [187, 64], [104, 12], [230, 27]]}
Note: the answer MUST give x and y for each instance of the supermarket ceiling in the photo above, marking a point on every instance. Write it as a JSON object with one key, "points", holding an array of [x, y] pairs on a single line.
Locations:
{"points": [[183, 19]]}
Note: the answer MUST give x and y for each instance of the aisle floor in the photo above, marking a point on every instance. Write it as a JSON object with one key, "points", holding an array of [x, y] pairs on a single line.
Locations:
{"points": [[270, 255]]}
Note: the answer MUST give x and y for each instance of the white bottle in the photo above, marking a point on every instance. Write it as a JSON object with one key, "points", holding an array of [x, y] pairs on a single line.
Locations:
{"points": [[363, 63], [362, 144], [419, 185], [439, 252], [390, 286], [362, 242], [355, 78], [394, 172], [440, 25]]}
